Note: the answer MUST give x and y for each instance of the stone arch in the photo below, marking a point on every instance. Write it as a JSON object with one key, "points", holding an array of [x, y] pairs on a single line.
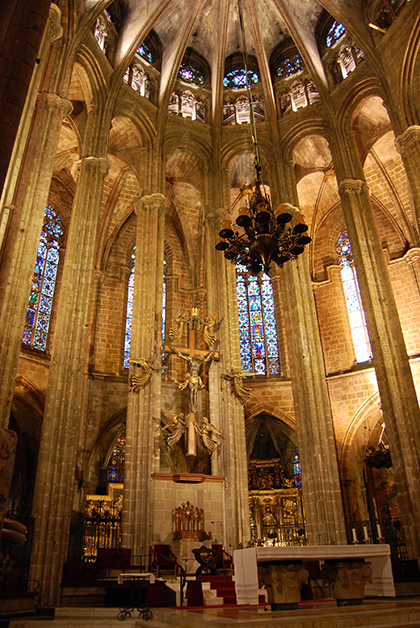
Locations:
{"points": [[98, 455]]}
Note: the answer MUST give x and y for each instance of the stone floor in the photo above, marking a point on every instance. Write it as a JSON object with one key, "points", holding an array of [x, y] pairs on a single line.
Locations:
{"points": [[378, 613]]}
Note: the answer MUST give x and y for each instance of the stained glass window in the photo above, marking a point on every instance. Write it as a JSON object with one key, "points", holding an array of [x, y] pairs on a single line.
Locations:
{"points": [[290, 66], [129, 316], [189, 74], [257, 323], [353, 299], [43, 283], [144, 51], [297, 470], [115, 471], [163, 307], [237, 78], [334, 34]]}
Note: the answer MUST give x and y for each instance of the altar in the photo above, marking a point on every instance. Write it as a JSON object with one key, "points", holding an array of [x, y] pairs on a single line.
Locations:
{"points": [[246, 563]]}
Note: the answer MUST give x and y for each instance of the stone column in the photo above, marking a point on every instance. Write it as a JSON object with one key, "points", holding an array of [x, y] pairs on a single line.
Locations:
{"points": [[24, 231], [408, 145], [21, 33], [226, 411], [395, 382], [54, 487], [143, 408], [320, 477]]}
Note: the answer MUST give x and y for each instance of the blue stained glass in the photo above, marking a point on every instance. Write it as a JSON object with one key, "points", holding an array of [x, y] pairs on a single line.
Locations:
{"points": [[257, 323], [144, 51], [290, 66], [334, 34], [129, 315], [297, 469], [237, 78], [43, 283], [163, 310]]}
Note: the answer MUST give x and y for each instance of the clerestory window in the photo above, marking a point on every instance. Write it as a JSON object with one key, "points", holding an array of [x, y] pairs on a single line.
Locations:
{"points": [[38, 314]]}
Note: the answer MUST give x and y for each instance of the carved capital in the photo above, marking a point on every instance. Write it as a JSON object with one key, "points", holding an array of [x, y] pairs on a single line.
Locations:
{"points": [[55, 30], [155, 202], [215, 217], [102, 164], [289, 208], [352, 187], [407, 139], [54, 102]]}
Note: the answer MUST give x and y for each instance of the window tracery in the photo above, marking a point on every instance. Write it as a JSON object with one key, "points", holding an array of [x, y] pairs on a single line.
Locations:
{"points": [[353, 299], [236, 79], [300, 94], [38, 314], [145, 52], [257, 323], [187, 105], [289, 66], [190, 74], [238, 112], [335, 33]]}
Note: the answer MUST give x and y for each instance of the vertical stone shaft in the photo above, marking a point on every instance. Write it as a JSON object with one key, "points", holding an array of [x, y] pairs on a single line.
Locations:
{"points": [[25, 229], [143, 408], [23, 24], [317, 450], [409, 146], [393, 372], [225, 409], [62, 418]]}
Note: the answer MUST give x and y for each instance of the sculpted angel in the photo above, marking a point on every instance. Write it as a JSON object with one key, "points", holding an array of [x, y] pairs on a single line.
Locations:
{"points": [[206, 432], [178, 426]]}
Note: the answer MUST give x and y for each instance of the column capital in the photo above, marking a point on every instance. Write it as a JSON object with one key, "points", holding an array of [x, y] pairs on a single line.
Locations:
{"points": [[54, 102], [90, 163], [289, 208], [55, 30], [150, 201], [214, 217], [349, 187], [406, 139]]}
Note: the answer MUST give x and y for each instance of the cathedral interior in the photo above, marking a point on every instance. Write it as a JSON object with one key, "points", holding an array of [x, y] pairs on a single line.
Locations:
{"points": [[141, 368]]}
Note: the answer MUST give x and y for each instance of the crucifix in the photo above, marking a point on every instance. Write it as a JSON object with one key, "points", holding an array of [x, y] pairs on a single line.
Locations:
{"points": [[194, 358]]}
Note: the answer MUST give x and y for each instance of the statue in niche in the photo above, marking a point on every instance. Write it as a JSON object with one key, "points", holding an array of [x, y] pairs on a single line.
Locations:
{"points": [[269, 519], [206, 432], [178, 426]]}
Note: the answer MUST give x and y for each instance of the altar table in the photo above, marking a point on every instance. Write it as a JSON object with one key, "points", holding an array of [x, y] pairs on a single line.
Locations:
{"points": [[246, 560]]}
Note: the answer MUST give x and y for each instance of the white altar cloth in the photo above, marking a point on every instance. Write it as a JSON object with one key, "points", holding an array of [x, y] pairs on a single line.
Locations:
{"points": [[246, 560]]}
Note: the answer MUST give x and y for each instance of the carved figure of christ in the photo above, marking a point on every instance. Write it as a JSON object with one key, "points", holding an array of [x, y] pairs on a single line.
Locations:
{"points": [[193, 382]]}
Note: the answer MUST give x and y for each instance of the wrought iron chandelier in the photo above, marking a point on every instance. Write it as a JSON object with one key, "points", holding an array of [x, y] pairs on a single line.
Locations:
{"points": [[264, 234]]}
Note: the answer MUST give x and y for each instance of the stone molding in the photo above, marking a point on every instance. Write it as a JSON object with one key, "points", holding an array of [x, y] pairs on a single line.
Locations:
{"points": [[55, 30], [407, 139]]}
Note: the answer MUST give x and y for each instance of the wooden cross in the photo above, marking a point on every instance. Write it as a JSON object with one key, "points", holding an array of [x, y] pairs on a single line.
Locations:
{"points": [[195, 358]]}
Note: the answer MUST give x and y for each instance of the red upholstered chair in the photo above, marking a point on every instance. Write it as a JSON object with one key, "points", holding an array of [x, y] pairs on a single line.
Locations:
{"points": [[163, 559], [223, 560]]}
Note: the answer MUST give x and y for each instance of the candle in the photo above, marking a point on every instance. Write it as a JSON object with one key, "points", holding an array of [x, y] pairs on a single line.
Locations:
{"points": [[353, 531], [365, 533], [378, 527]]}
